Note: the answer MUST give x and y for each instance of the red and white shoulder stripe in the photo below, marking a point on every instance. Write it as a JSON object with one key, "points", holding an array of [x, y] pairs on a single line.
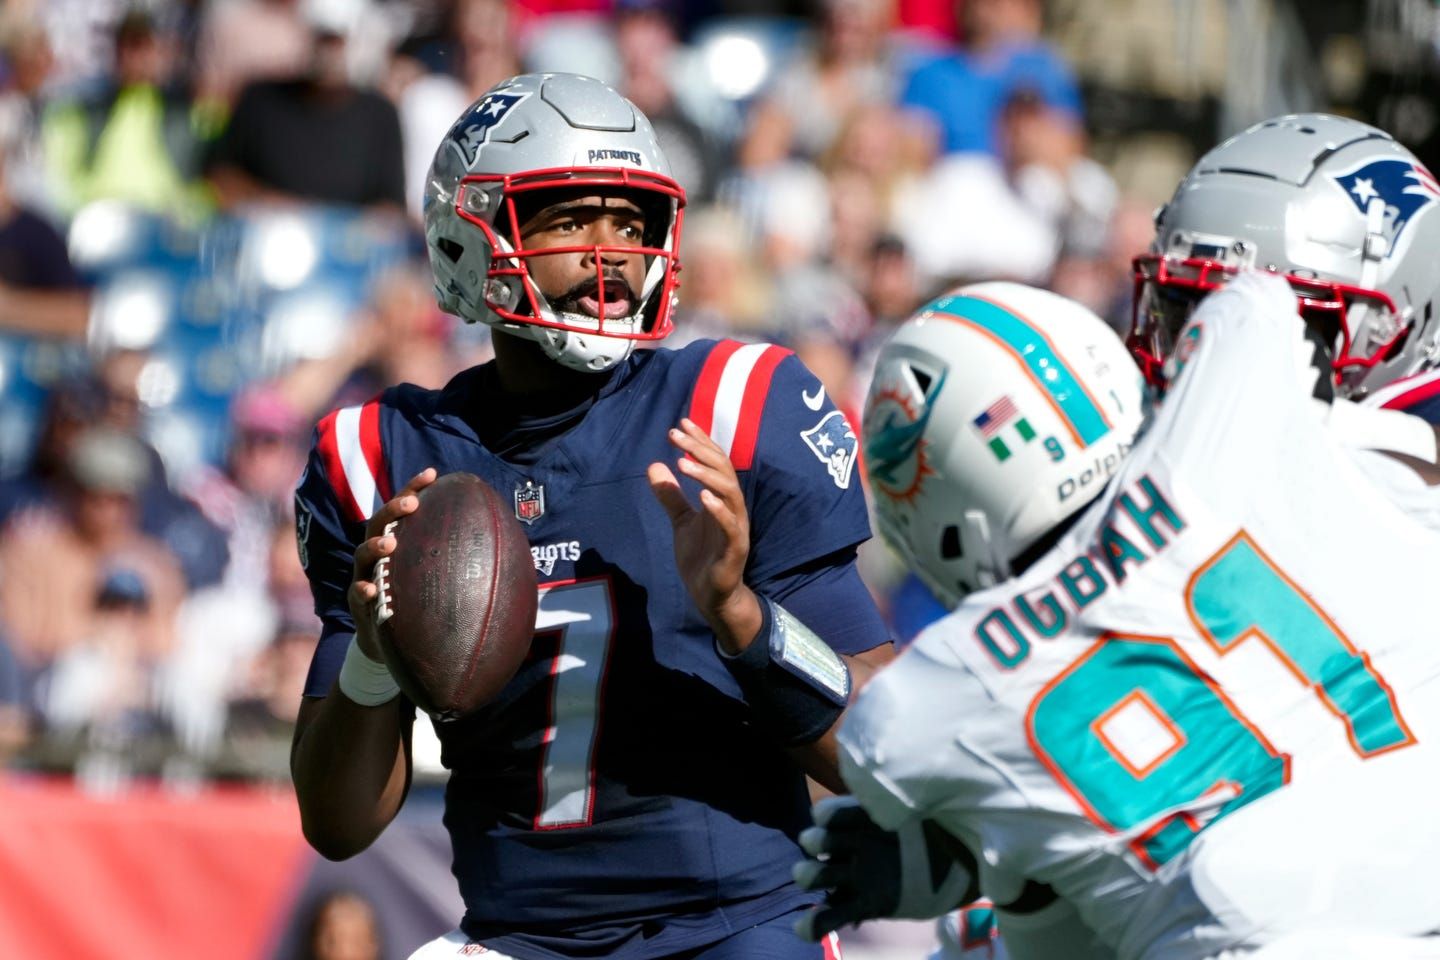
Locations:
{"points": [[354, 460], [1404, 394], [730, 393]]}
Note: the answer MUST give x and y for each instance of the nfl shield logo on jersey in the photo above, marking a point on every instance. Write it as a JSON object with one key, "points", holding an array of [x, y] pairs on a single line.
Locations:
{"points": [[834, 444], [530, 502]]}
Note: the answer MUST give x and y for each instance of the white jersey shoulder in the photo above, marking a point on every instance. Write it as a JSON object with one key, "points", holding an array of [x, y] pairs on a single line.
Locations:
{"points": [[1168, 716]]}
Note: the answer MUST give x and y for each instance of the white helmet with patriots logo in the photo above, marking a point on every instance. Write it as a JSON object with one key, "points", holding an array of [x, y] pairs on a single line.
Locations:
{"points": [[542, 132], [1347, 215], [996, 412]]}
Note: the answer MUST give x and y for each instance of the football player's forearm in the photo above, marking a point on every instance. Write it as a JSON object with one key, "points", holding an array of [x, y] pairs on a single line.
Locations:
{"points": [[351, 768], [821, 759]]}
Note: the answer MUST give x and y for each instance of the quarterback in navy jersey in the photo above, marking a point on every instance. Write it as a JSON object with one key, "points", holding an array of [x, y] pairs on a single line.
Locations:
{"points": [[1351, 219], [637, 789]]}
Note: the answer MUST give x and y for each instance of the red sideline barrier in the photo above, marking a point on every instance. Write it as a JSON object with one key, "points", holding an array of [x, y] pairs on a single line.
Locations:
{"points": [[148, 874]]}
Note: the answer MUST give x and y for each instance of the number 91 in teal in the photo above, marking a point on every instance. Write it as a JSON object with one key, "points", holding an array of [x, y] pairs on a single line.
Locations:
{"points": [[1213, 748]]}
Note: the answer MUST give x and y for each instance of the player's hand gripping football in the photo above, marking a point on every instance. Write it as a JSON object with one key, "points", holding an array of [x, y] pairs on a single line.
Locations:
{"points": [[713, 542], [379, 544]]}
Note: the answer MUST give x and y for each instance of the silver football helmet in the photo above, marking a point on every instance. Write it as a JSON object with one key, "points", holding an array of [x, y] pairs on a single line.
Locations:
{"points": [[1345, 213], [538, 132]]}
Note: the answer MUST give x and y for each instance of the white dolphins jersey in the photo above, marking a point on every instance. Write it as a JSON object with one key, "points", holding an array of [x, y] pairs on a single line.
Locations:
{"points": [[1208, 716]]}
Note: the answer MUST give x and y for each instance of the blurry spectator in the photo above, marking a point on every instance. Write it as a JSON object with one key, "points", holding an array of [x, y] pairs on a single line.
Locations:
{"points": [[1105, 282], [82, 33], [134, 138], [110, 398], [963, 221], [892, 285], [14, 705], [433, 78], [1043, 149], [403, 337], [962, 93], [877, 142], [242, 41], [265, 708], [976, 216], [834, 366], [810, 99], [646, 41], [344, 926], [70, 408], [40, 292], [927, 22], [227, 638], [316, 138], [29, 61], [255, 487], [197, 544], [223, 626], [104, 680], [52, 562], [813, 300], [725, 291]]}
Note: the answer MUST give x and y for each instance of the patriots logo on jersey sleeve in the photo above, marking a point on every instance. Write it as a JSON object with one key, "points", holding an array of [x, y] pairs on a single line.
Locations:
{"points": [[474, 126], [1405, 188], [834, 444], [303, 518]]}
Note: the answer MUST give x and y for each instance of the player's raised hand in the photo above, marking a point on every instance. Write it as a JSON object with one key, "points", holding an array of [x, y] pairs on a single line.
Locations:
{"points": [[712, 543], [378, 543]]}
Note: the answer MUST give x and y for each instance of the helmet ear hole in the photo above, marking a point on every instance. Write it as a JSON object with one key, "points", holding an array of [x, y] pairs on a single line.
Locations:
{"points": [[950, 544], [452, 250]]}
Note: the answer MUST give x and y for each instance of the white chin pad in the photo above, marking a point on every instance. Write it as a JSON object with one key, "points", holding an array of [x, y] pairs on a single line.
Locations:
{"points": [[586, 352]]}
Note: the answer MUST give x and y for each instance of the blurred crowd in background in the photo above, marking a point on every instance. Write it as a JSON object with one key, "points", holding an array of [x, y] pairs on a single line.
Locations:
{"points": [[208, 239]]}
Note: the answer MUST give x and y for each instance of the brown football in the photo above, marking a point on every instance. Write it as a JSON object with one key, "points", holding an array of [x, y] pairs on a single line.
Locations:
{"points": [[456, 607]]}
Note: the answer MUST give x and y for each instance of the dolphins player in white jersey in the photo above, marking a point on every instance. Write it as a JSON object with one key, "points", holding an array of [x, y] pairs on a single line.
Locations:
{"points": [[1195, 702]]}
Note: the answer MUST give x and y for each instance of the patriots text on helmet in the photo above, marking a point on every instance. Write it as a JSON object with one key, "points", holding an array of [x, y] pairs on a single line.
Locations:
{"points": [[629, 156]]}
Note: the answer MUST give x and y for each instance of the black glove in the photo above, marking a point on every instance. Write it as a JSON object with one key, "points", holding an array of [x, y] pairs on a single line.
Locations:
{"points": [[917, 872]]}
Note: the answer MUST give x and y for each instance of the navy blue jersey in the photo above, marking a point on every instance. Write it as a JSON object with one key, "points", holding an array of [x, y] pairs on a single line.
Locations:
{"points": [[615, 800]]}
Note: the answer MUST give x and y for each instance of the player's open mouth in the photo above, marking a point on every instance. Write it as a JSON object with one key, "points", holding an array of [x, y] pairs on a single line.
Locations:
{"points": [[617, 300]]}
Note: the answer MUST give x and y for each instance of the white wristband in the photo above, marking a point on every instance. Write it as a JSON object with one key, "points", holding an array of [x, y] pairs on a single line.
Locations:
{"points": [[363, 680]]}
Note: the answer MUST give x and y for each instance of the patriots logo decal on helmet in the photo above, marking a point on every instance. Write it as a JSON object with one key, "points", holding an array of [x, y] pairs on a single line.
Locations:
{"points": [[474, 126], [1404, 187]]}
